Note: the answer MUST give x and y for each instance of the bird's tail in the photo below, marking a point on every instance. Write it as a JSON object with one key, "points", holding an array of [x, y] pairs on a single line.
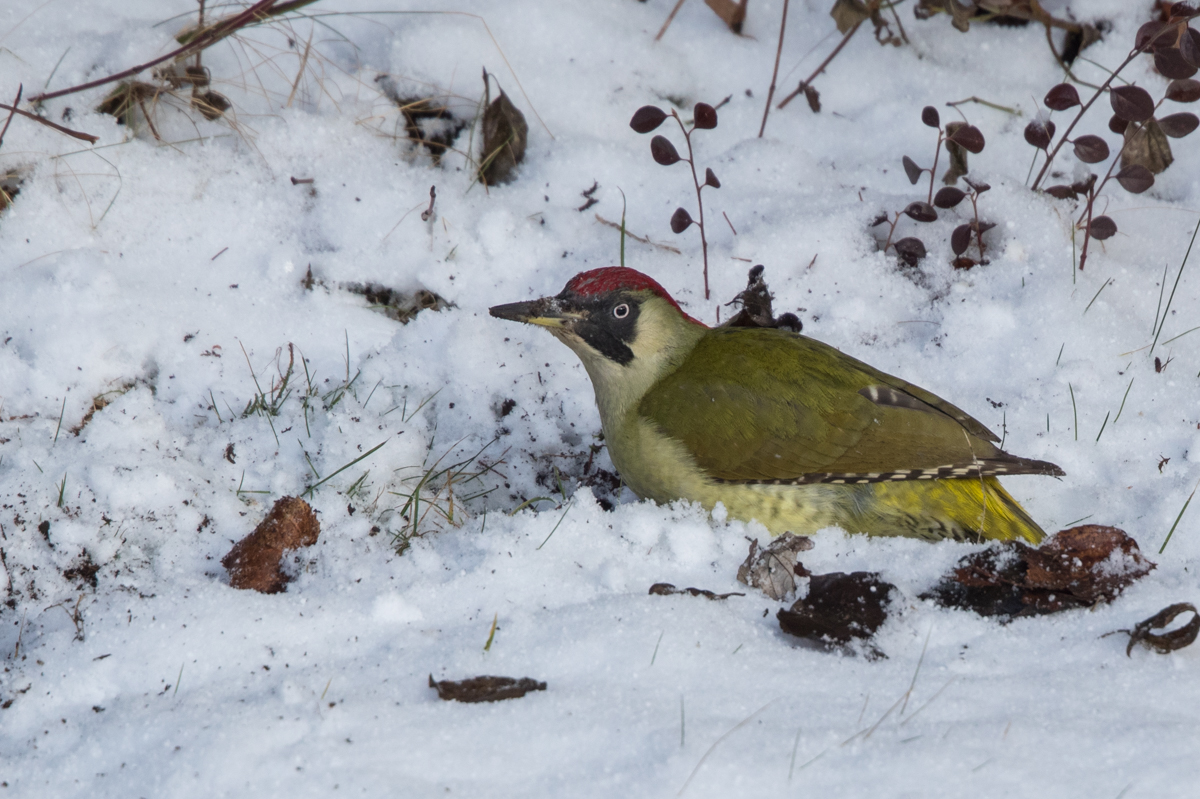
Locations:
{"points": [[968, 508]]}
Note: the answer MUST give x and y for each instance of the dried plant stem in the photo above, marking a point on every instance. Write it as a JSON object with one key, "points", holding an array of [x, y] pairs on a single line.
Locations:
{"points": [[87, 137], [691, 159], [800, 89], [21, 87], [205, 39], [670, 18], [636, 237], [774, 72]]}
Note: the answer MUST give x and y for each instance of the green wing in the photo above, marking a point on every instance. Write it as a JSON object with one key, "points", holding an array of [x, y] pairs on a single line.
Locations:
{"points": [[755, 404]]}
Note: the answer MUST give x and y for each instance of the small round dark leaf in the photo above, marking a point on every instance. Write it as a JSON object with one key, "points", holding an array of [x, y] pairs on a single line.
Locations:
{"points": [[1062, 97], [1183, 91], [970, 138], [948, 197], [960, 239], [922, 212], [983, 227], [1183, 10], [1091, 149], [929, 116], [663, 151], [680, 220], [1179, 125], [704, 116], [1146, 34], [912, 170], [910, 249], [979, 186], [1171, 63], [647, 118], [1117, 125], [1189, 46], [710, 179], [1167, 38], [1102, 228], [1039, 133], [1135, 178], [1131, 102], [1062, 192]]}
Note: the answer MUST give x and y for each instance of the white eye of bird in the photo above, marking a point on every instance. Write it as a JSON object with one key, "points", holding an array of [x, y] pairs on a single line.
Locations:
{"points": [[621, 311]]}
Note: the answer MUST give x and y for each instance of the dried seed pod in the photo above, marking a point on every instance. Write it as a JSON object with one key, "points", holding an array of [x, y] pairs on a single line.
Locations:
{"points": [[663, 151], [969, 138], [647, 118], [910, 249], [921, 212], [710, 179], [704, 116], [1040, 133], [210, 103], [680, 220], [1179, 125], [912, 170], [1183, 91], [1135, 178], [1147, 145], [960, 239], [1102, 227], [948, 197], [929, 115], [1062, 97], [1091, 149], [1132, 103]]}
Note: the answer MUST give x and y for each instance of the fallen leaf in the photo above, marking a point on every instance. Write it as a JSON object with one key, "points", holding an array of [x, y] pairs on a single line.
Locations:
{"points": [[484, 689], [839, 608], [773, 570], [1165, 643], [1073, 568], [504, 135]]}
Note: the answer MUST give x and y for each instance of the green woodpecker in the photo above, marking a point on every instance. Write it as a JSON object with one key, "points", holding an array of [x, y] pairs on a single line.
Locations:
{"points": [[777, 426]]}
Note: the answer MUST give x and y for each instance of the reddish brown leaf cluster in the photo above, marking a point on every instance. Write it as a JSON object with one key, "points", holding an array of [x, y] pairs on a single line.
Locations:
{"points": [[254, 562], [1079, 567]]}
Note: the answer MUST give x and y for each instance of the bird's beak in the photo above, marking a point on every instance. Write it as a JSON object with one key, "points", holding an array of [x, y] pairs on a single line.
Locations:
{"points": [[546, 312]]}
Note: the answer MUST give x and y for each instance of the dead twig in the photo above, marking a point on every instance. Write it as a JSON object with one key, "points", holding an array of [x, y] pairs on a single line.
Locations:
{"points": [[636, 237], [87, 137], [804, 83], [775, 72], [207, 38]]}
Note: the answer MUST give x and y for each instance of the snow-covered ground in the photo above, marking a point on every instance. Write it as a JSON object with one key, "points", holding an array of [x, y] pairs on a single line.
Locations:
{"points": [[167, 276]]}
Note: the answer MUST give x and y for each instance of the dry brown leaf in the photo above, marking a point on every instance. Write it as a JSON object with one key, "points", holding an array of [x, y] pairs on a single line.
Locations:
{"points": [[254, 562], [484, 689], [733, 13]]}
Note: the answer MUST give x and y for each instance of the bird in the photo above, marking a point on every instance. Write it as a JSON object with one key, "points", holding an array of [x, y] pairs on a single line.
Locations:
{"points": [[776, 426]]}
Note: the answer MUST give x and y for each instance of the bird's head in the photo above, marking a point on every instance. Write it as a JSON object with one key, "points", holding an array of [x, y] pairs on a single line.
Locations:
{"points": [[622, 324]]}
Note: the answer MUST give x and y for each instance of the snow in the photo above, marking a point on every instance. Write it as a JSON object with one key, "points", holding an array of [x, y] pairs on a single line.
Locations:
{"points": [[140, 270]]}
